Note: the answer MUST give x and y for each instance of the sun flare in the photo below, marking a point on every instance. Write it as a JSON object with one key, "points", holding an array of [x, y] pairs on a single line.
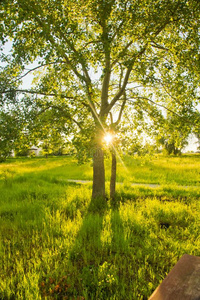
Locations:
{"points": [[108, 138]]}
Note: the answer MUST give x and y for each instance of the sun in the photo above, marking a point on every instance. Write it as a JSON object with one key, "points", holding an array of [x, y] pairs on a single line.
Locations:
{"points": [[108, 138]]}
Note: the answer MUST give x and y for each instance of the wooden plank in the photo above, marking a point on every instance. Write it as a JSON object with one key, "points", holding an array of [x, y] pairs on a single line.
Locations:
{"points": [[182, 282]]}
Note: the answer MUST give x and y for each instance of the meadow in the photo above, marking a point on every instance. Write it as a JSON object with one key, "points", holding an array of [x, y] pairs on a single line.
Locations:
{"points": [[57, 243]]}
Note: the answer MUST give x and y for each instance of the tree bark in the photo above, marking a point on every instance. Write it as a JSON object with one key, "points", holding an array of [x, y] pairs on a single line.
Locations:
{"points": [[98, 173], [113, 175]]}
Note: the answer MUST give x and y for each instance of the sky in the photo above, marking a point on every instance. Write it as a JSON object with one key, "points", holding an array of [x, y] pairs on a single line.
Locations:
{"points": [[192, 144]]}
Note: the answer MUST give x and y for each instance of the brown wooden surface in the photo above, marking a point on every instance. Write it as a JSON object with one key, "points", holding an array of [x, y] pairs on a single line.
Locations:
{"points": [[182, 282]]}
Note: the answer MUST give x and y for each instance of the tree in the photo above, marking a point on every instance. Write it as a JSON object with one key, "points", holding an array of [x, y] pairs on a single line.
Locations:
{"points": [[174, 130], [196, 129], [8, 134], [99, 55], [11, 115]]}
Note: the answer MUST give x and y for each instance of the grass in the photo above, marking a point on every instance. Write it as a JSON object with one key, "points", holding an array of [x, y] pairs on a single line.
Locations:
{"points": [[182, 170], [58, 244], [163, 170]]}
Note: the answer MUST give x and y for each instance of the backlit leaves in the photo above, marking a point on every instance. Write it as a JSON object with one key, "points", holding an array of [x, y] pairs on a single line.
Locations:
{"points": [[92, 52]]}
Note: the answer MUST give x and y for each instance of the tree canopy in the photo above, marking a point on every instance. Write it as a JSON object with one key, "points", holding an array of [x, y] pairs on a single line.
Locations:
{"points": [[97, 58]]}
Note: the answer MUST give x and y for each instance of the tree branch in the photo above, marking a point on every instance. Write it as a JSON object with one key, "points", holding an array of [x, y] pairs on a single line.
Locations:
{"points": [[121, 53], [121, 109], [66, 114], [120, 92], [155, 45], [111, 117], [78, 55], [126, 78], [36, 92], [160, 105], [117, 30], [33, 69]]}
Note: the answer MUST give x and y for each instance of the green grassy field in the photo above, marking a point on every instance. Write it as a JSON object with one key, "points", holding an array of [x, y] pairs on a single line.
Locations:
{"points": [[58, 244]]}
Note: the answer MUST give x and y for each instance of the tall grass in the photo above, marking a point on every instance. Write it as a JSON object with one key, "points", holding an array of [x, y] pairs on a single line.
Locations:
{"points": [[58, 244], [159, 169], [182, 170]]}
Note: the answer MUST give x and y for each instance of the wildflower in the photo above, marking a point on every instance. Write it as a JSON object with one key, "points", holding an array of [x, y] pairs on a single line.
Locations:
{"points": [[51, 280], [57, 287]]}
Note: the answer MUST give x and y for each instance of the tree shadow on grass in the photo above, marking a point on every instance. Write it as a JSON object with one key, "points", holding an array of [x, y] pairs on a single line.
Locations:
{"points": [[119, 251], [118, 243], [88, 252], [95, 259]]}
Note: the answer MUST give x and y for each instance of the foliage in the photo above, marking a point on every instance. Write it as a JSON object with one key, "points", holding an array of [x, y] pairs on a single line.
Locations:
{"points": [[173, 135], [196, 130], [10, 129]]}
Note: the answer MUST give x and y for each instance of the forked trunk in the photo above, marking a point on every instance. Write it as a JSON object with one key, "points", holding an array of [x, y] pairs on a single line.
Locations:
{"points": [[98, 174], [113, 175]]}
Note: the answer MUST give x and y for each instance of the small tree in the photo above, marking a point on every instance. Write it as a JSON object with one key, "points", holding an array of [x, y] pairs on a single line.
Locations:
{"points": [[196, 129], [174, 133]]}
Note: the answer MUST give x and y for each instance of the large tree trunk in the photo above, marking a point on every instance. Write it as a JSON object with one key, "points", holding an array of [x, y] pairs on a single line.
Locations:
{"points": [[98, 173], [113, 175]]}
